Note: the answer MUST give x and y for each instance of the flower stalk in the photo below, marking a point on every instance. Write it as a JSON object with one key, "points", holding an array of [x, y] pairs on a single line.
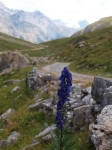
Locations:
{"points": [[63, 94]]}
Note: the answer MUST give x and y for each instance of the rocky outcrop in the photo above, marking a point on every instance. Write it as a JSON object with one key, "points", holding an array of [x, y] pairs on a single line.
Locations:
{"points": [[101, 132], [99, 86], [8, 113], [102, 92], [13, 60], [82, 115], [13, 137]]}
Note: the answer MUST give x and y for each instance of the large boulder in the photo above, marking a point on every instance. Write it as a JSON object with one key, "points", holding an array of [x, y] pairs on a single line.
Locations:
{"points": [[99, 86], [13, 60], [82, 116], [101, 131]]}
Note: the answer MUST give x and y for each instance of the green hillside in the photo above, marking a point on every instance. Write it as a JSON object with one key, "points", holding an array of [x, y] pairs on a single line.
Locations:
{"points": [[10, 43], [94, 57], [100, 24]]}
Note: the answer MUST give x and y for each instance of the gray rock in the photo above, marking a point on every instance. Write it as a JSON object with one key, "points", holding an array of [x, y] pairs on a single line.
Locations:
{"points": [[107, 97], [97, 108], [81, 45], [6, 71], [75, 90], [13, 60], [13, 137], [37, 97], [101, 133], [8, 113], [88, 100], [85, 92], [12, 81], [99, 86], [47, 138], [55, 99], [46, 131], [45, 105], [82, 115], [15, 89]]}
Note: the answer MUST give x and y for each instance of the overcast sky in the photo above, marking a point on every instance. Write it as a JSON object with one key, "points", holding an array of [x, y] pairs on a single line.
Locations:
{"points": [[66, 10]]}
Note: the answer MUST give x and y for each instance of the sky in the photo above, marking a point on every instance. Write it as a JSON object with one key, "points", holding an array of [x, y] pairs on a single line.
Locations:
{"points": [[69, 11]]}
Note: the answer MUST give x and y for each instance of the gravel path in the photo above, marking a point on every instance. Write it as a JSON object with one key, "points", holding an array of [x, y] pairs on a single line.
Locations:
{"points": [[57, 67]]}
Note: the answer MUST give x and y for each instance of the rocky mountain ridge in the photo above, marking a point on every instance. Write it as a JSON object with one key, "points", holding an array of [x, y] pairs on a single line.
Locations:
{"points": [[100, 24], [31, 26]]}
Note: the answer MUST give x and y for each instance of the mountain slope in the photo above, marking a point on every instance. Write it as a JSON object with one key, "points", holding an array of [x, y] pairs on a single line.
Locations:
{"points": [[89, 53], [10, 43], [31, 26], [102, 23]]}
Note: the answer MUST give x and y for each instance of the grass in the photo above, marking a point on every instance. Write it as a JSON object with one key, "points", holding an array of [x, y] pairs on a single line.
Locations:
{"points": [[94, 58], [9, 43], [28, 123]]}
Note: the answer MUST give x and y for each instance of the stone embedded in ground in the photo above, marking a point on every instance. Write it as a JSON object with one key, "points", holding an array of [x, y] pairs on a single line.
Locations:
{"points": [[15, 89], [46, 131], [12, 81], [101, 132], [43, 105], [8, 113], [13, 137]]}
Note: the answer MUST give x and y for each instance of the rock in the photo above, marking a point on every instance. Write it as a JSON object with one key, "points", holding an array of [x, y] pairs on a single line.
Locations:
{"points": [[107, 97], [45, 105], [47, 77], [8, 113], [99, 86], [75, 90], [81, 45], [88, 100], [85, 92], [5, 86], [101, 133], [81, 42], [15, 89], [82, 115], [6, 71], [46, 131], [97, 108], [12, 81], [47, 138], [38, 97], [55, 99], [13, 137], [13, 60]]}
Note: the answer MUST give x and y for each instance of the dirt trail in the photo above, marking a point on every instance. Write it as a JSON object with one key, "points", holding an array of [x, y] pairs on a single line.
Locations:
{"points": [[57, 67]]}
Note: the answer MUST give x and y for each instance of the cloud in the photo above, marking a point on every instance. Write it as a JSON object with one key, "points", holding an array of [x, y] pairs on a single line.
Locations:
{"points": [[65, 9]]}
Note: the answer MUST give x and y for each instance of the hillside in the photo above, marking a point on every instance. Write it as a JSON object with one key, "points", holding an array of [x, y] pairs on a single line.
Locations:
{"points": [[89, 53], [30, 26], [102, 23], [10, 43]]}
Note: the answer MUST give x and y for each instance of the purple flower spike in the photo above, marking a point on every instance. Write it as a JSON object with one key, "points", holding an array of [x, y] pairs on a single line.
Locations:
{"points": [[63, 93]]}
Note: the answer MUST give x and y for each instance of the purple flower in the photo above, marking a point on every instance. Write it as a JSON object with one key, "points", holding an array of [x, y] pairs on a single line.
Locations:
{"points": [[63, 93], [34, 141]]}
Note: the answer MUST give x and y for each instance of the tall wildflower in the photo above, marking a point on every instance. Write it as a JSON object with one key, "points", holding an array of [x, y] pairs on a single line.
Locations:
{"points": [[63, 139], [63, 93]]}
